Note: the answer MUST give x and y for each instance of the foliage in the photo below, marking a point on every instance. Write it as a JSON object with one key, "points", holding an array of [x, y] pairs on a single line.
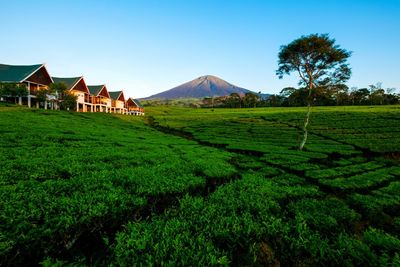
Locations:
{"points": [[57, 192], [338, 95], [64, 98], [68, 101], [188, 187], [42, 95], [13, 90], [178, 102], [316, 59], [234, 100], [319, 63]]}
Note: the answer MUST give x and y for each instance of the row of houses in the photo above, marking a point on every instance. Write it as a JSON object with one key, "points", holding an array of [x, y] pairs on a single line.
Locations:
{"points": [[90, 98]]}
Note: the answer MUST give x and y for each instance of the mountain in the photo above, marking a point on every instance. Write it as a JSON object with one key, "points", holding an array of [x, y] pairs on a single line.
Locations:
{"points": [[204, 86]]}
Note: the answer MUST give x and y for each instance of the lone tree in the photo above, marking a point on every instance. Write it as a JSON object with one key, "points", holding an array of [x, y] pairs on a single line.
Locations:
{"points": [[318, 61], [65, 100]]}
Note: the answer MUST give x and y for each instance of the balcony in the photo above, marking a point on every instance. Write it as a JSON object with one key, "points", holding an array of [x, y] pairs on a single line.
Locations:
{"points": [[135, 109], [99, 101], [88, 99], [35, 88]]}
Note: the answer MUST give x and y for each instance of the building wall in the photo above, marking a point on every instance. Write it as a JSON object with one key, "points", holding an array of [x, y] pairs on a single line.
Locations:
{"points": [[119, 104], [108, 101], [80, 95]]}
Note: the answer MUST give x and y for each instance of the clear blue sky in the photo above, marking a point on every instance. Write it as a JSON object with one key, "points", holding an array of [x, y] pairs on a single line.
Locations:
{"points": [[148, 46]]}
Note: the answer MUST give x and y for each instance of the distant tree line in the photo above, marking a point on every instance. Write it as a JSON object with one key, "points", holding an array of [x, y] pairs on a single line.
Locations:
{"points": [[338, 95], [234, 100], [179, 102]]}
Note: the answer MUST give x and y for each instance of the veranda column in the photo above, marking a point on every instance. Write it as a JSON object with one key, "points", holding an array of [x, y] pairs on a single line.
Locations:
{"points": [[29, 94]]}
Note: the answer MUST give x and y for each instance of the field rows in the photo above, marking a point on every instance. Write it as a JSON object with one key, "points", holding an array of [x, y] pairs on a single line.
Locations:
{"points": [[332, 163], [197, 187]]}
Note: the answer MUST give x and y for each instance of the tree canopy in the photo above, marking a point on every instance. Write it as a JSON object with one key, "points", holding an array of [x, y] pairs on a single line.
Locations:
{"points": [[64, 97], [13, 90], [318, 61]]}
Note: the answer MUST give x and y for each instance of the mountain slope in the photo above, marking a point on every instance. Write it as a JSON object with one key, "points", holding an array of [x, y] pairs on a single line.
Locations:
{"points": [[204, 86]]}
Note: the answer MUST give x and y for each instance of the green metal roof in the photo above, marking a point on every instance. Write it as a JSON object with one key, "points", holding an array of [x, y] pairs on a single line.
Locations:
{"points": [[68, 81], [115, 95], [137, 102], [17, 73], [95, 89]]}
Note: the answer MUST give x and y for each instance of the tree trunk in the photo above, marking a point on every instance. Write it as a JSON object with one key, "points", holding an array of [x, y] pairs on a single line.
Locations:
{"points": [[307, 118], [306, 121]]}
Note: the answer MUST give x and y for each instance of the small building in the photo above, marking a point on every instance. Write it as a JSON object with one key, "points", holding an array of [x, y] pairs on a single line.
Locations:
{"points": [[101, 99], [34, 77], [134, 107], [118, 102], [78, 87]]}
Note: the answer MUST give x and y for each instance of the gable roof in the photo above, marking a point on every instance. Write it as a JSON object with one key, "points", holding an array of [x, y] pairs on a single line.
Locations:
{"points": [[96, 89], [73, 83], [136, 102], [19, 73], [115, 95], [70, 82]]}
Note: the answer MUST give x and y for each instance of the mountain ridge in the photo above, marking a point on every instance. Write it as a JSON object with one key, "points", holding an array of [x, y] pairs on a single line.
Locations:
{"points": [[203, 86]]}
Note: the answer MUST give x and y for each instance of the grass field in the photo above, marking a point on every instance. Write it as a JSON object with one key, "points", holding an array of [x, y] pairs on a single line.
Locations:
{"points": [[200, 187]]}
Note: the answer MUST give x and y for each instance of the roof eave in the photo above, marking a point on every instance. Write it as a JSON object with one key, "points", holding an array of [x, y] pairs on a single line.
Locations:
{"points": [[75, 84], [30, 74], [122, 93], [105, 87]]}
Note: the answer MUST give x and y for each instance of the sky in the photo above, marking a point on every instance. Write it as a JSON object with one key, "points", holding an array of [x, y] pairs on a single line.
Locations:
{"points": [[148, 46]]}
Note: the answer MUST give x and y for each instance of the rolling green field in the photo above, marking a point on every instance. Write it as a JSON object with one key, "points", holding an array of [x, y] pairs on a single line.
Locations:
{"points": [[200, 187]]}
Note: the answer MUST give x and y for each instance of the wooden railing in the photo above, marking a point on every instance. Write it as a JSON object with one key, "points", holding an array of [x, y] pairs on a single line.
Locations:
{"points": [[88, 99], [135, 109], [99, 101]]}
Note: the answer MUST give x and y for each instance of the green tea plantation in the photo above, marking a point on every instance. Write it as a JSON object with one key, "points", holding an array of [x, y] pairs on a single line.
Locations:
{"points": [[200, 187]]}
